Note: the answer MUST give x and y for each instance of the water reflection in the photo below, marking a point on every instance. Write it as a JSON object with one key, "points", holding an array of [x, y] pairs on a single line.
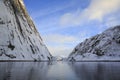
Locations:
{"points": [[59, 71], [97, 70], [23, 71]]}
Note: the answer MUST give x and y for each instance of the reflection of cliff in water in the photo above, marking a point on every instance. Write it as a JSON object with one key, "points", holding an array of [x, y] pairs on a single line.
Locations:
{"points": [[23, 70], [59, 70], [97, 71]]}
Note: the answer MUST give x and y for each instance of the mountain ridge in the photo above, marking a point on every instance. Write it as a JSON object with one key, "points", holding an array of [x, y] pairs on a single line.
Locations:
{"points": [[104, 46]]}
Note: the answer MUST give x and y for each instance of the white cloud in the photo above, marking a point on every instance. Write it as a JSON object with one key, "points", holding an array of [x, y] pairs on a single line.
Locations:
{"points": [[62, 45], [112, 21], [59, 38], [60, 50], [97, 10]]}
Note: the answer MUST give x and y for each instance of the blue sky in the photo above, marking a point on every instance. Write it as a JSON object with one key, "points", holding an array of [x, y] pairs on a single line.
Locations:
{"points": [[65, 23]]}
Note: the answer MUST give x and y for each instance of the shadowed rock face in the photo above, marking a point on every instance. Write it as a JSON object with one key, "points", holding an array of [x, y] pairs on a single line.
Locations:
{"points": [[102, 46], [19, 38]]}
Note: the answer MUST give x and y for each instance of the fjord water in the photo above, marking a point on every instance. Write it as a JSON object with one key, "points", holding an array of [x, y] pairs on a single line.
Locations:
{"points": [[59, 71]]}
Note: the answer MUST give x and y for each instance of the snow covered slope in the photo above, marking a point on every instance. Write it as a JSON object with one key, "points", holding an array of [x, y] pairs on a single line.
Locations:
{"points": [[19, 39], [104, 46]]}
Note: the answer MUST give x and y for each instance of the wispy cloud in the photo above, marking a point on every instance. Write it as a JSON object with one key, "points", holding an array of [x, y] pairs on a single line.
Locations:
{"points": [[60, 50], [60, 44], [112, 21], [49, 10], [59, 38], [100, 8], [97, 10]]}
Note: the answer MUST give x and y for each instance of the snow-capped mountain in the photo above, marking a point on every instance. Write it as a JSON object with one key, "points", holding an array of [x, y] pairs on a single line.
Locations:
{"points": [[104, 46], [19, 39]]}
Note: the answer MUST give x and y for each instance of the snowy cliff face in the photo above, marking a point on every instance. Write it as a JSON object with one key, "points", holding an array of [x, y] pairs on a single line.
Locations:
{"points": [[19, 39], [104, 46]]}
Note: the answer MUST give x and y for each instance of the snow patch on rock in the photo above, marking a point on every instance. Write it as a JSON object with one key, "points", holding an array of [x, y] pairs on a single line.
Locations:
{"points": [[104, 46], [19, 39]]}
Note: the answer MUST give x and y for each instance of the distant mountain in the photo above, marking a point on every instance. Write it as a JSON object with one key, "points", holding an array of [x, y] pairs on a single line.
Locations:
{"points": [[57, 58], [19, 38], [104, 46]]}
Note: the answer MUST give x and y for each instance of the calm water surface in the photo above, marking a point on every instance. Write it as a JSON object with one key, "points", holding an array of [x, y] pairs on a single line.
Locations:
{"points": [[59, 71]]}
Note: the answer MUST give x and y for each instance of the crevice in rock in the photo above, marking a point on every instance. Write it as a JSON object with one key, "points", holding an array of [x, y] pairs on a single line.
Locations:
{"points": [[32, 49], [11, 46], [15, 10]]}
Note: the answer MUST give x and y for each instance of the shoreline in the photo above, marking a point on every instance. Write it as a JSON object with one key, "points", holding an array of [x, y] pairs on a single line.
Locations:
{"points": [[60, 61], [21, 61], [97, 61]]}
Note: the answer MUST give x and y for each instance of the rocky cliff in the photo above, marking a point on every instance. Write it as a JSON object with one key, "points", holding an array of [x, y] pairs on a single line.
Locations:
{"points": [[19, 38], [104, 46]]}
